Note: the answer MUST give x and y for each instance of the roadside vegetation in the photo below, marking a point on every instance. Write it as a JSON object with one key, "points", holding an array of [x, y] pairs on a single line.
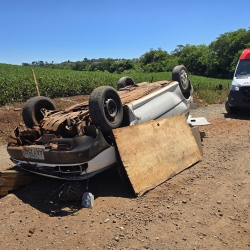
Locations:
{"points": [[208, 67], [17, 83]]}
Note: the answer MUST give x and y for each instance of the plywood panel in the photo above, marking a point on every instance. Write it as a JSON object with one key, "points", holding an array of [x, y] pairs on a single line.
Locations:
{"points": [[154, 151]]}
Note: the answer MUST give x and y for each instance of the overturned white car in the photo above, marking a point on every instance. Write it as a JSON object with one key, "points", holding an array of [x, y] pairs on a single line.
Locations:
{"points": [[78, 143]]}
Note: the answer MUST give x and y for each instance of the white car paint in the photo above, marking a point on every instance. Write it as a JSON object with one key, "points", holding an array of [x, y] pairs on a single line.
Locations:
{"points": [[164, 102]]}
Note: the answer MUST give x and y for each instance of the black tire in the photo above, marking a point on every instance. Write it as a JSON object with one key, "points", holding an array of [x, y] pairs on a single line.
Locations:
{"points": [[180, 75], [231, 110], [125, 81], [32, 110], [105, 108]]}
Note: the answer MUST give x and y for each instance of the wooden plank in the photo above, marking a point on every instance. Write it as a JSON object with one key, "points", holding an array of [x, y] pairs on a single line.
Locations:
{"points": [[2, 193], [155, 151], [15, 181], [9, 188], [14, 173]]}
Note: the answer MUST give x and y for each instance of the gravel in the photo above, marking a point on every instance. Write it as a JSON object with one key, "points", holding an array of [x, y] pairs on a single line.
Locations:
{"points": [[209, 112]]}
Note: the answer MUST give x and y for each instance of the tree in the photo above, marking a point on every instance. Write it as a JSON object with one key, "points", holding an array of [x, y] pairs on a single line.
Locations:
{"points": [[177, 51], [153, 56], [154, 60], [41, 63], [227, 48], [195, 58]]}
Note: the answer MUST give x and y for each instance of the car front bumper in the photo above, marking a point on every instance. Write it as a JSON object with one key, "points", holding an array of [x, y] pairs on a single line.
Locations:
{"points": [[74, 158], [239, 98]]}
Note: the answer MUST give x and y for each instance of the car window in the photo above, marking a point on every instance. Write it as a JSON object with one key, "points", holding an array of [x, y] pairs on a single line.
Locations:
{"points": [[243, 68]]}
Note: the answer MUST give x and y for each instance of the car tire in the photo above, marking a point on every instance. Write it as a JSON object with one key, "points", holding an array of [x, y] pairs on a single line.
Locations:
{"points": [[231, 110], [125, 81], [31, 112], [180, 75], [105, 108]]}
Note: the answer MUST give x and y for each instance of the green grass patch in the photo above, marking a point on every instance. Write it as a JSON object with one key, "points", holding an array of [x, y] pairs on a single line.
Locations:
{"points": [[17, 83], [210, 90]]}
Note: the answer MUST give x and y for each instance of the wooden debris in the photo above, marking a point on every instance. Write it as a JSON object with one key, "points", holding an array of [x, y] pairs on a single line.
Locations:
{"points": [[155, 151], [14, 179]]}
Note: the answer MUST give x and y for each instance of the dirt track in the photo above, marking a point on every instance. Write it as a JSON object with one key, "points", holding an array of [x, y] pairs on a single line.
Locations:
{"points": [[205, 207]]}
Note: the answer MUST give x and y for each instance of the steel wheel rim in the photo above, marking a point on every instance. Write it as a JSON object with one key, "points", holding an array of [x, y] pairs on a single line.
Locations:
{"points": [[184, 79], [110, 108]]}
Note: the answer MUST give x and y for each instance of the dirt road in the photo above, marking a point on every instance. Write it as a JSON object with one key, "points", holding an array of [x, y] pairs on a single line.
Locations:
{"points": [[205, 207]]}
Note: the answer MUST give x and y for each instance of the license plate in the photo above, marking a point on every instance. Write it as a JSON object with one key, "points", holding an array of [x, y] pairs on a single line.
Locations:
{"points": [[33, 153]]}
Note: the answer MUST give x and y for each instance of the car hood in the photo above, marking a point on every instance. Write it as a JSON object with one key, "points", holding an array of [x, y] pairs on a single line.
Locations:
{"points": [[242, 81]]}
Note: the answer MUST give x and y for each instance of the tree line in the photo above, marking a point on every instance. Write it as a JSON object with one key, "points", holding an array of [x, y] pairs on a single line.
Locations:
{"points": [[215, 60]]}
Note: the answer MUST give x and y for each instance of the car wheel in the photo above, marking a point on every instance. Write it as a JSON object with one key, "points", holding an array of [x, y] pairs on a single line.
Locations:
{"points": [[125, 81], [180, 75], [105, 108], [31, 112], [231, 110]]}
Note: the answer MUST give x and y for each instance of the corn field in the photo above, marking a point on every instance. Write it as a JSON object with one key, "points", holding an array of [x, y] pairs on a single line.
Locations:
{"points": [[17, 82]]}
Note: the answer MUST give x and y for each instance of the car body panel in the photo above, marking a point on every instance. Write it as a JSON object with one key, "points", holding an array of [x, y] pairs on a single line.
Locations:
{"points": [[78, 149], [154, 105], [239, 94], [76, 171]]}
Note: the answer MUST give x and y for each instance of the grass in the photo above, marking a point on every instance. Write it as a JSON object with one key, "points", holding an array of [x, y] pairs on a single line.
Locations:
{"points": [[17, 83], [211, 90]]}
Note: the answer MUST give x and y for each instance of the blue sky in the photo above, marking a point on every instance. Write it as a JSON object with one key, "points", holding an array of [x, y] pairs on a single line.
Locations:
{"points": [[52, 30]]}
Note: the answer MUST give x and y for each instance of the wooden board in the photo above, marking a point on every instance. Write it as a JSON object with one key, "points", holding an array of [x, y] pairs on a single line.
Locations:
{"points": [[155, 151], [9, 188], [17, 181], [14, 179], [3, 193], [15, 173]]}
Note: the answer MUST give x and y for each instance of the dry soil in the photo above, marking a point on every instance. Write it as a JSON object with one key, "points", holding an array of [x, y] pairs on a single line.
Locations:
{"points": [[207, 206]]}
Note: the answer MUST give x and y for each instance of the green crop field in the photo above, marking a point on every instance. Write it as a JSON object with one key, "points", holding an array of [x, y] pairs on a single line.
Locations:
{"points": [[17, 83]]}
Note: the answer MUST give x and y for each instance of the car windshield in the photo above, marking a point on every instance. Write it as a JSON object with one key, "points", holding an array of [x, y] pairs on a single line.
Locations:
{"points": [[243, 68]]}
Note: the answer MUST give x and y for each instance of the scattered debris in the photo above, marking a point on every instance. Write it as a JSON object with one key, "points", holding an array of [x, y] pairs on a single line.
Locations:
{"points": [[197, 121], [88, 200]]}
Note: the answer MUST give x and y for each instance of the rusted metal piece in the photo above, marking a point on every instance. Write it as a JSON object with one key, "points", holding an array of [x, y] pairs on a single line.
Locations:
{"points": [[55, 120], [131, 92]]}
